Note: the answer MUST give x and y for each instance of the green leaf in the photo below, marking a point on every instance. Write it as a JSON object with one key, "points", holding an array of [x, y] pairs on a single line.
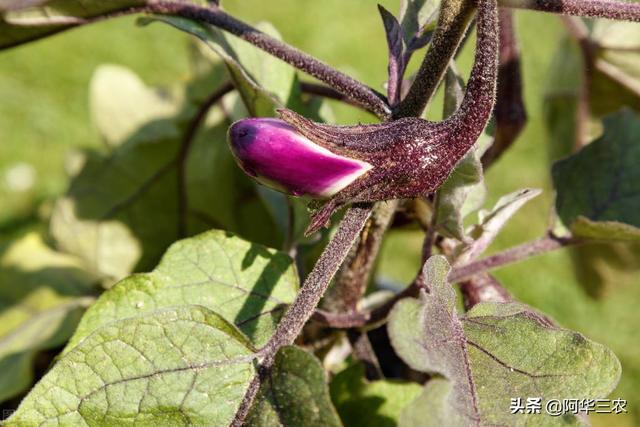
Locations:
{"points": [[263, 81], [123, 107], [246, 283], [294, 394], [492, 222], [370, 403], [179, 366], [415, 15], [496, 352], [124, 208], [598, 188], [43, 293]]}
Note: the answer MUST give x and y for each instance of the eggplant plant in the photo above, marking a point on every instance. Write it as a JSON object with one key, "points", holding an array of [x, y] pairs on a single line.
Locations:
{"points": [[215, 264]]}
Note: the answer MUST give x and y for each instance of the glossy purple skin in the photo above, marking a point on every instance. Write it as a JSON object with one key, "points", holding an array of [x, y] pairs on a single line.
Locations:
{"points": [[271, 151]]}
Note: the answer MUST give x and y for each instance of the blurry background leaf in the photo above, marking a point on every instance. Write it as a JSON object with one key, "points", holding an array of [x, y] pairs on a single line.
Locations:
{"points": [[246, 283], [122, 209], [598, 188], [294, 394], [180, 366], [121, 104], [43, 294], [363, 403], [495, 352]]}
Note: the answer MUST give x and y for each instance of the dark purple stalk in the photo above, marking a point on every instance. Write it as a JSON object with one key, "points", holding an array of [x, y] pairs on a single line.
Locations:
{"points": [[363, 352], [307, 299], [326, 92], [609, 9], [483, 287], [316, 283], [510, 256], [510, 112], [453, 22], [351, 88]]}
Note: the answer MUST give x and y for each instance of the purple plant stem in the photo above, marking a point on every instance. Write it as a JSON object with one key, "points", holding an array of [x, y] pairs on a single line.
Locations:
{"points": [[316, 283], [351, 88], [183, 152], [483, 287], [307, 299], [609, 9], [460, 273], [453, 22], [510, 112], [326, 92]]}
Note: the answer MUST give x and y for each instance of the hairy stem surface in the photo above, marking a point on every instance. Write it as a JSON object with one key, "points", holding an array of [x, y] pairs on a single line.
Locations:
{"points": [[453, 22], [349, 87], [609, 9]]}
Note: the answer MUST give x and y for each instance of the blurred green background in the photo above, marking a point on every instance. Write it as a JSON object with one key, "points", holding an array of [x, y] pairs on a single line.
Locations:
{"points": [[44, 113]]}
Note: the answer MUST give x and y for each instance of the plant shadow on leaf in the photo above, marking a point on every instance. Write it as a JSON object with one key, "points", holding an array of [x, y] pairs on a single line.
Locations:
{"points": [[246, 283]]}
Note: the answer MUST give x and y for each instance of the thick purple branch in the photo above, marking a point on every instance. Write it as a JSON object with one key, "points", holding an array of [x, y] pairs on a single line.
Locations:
{"points": [[351, 88], [510, 112], [307, 299], [453, 22], [609, 9], [510, 256], [483, 287]]}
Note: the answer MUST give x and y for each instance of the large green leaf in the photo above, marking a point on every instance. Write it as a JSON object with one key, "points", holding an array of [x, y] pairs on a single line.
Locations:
{"points": [[496, 352], [246, 283], [126, 207], [151, 351], [178, 366], [370, 403], [43, 293], [294, 394], [598, 188]]}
